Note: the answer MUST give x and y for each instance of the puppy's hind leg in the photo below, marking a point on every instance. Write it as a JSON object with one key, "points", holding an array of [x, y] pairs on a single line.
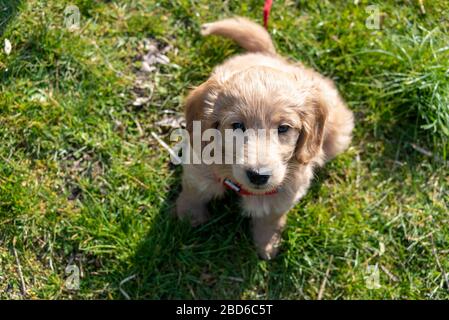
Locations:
{"points": [[193, 200], [190, 206]]}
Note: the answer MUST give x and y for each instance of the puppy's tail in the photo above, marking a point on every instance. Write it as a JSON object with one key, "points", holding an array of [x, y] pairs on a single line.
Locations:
{"points": [[247, 34]]}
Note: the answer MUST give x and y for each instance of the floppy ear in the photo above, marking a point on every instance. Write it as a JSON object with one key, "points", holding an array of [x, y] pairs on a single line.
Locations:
{"points": [[310, 142], [199, 107]]}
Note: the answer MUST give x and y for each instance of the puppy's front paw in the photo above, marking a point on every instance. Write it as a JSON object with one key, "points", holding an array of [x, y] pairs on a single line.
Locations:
{"points": [[267, 235], [196, 213], [268, 248], [206, 29]]}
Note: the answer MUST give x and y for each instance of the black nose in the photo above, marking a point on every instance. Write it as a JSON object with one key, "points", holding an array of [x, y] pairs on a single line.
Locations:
{"points": [[256, 178]]}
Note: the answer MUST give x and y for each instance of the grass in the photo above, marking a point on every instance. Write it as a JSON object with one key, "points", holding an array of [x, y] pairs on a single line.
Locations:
{"points": [[82, 181]]}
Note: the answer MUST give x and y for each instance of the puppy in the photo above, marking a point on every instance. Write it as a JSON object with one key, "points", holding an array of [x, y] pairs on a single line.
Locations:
{"points": [[308, 122]]}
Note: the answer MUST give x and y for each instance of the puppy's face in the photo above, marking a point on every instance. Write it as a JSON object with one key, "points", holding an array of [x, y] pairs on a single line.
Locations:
{"points": [[273, 116], [268, 142]]}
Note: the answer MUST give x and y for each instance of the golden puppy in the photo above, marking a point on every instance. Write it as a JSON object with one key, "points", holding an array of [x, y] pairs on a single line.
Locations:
{"points": [[307, 121]]}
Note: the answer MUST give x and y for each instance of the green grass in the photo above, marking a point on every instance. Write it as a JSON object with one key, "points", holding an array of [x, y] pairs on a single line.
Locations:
{"points": [[83, 182]]}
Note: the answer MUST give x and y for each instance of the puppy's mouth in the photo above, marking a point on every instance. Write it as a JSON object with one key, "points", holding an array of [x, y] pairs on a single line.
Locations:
{"points": [[263, 188], [257, 189]]}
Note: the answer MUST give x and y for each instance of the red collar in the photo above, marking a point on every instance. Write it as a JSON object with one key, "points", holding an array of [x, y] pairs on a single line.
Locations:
{"points": [[237, 188]]}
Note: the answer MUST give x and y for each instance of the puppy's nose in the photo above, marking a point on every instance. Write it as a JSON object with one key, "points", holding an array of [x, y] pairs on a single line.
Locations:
{"points": [[257, 178]]}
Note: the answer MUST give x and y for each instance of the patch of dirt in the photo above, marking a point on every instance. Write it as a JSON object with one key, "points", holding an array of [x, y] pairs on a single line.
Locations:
{"points": [[152, 55]]}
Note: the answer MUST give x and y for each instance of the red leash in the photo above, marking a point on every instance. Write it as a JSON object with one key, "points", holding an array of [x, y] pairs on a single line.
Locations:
{"points": [[266, 12]]}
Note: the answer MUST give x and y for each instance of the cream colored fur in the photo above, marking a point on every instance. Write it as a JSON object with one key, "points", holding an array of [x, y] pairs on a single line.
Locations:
{"points": [[264, 90]]}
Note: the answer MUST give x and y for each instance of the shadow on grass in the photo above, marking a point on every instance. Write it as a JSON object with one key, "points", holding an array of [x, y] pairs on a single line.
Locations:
{"points": [[214, 261], [176, 261], [8, 10]]}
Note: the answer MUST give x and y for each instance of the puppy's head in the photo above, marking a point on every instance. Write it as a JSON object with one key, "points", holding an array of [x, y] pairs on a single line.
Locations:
{"points": [[268, 120]]}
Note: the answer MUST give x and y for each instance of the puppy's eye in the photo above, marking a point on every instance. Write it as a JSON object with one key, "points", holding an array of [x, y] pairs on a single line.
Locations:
{"points": [[283, 128], [238, 125]]}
